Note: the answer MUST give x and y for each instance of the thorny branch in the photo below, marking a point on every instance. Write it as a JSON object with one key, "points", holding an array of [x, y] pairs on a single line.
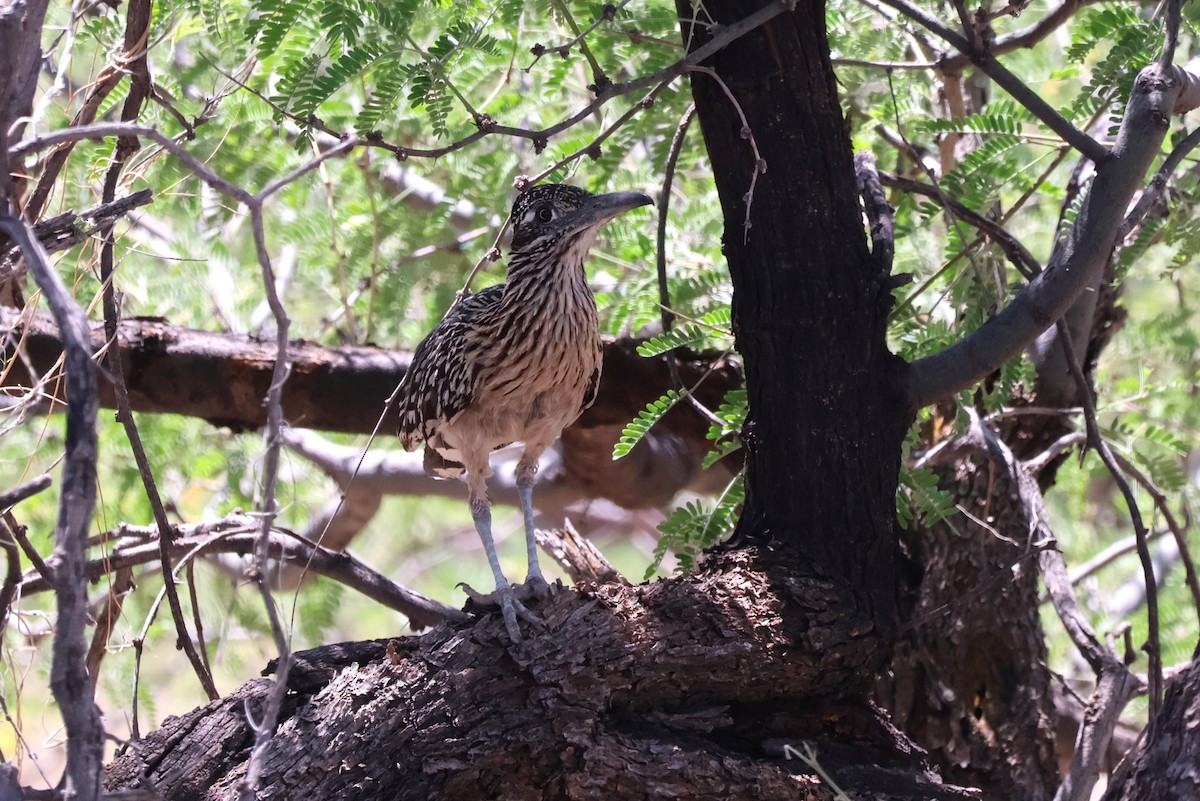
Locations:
{"points": [[760, 164]]}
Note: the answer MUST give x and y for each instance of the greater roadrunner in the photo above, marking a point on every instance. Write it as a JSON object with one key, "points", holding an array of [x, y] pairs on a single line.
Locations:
{"points": [[516, 362]]}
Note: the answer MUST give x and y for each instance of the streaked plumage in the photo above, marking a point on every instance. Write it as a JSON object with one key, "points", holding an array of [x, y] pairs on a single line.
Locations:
{"points": [[517, 362]]}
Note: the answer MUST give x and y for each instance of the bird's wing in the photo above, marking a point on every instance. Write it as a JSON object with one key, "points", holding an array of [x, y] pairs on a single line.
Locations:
{"points": [[440, 381]]}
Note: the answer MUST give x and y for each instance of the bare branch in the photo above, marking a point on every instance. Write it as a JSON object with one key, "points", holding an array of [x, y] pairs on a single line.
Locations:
{"points": [[68, 674], [1007, 81], [1086, 250], [69, 229], [1097, 442], [237, 535], [1014, 250], [1024, 38], [21, 492]]}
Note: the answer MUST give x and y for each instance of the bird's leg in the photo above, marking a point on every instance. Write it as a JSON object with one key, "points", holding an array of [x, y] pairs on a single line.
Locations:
{"points": [[525, 473], [510, 606]]}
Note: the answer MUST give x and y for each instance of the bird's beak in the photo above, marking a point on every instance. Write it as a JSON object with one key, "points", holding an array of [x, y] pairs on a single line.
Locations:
{"points": [[602, 208]]}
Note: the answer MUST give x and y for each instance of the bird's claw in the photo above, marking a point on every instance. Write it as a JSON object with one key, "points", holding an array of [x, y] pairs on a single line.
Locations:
{"points": [[509, 598]]}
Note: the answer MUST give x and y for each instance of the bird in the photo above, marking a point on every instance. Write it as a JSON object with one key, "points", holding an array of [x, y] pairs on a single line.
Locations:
{"points": [[515, 362]]}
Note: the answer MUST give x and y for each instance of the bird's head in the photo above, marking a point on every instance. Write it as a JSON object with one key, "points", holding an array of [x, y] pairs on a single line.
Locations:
{"points": [[546, 215]]}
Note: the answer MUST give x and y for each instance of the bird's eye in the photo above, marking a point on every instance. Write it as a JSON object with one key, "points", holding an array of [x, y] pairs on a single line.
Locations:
{"points": [[545, 214]]}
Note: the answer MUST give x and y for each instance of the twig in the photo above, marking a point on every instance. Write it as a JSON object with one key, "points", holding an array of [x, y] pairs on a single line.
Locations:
{"points": [[1153, 194], [880, 214], [563, 50], [1097, 442], [1010, 83], [31, 553], [1027, 37], [1106, 557], [68, 673], [197, 618], [106, 621], [660, 258], [1178, 531], [1017, 253], [24, 491], [116, 367], [12, 573], [760, 164], [600, 80]]}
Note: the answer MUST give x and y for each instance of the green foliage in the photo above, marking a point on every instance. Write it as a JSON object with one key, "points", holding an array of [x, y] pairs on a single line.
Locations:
{"points": [[695, 526], [726, 435], [640, 426], [921, 499]]}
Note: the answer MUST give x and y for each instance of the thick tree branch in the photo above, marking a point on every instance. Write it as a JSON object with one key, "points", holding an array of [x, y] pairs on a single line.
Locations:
{"points": [[222, 378], [619, 675], [1087, 248]]}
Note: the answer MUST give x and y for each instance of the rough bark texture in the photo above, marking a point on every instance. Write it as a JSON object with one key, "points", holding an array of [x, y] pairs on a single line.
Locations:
{"points": [[827, 414], [1166, 764], [969, 682], [686, 688]]}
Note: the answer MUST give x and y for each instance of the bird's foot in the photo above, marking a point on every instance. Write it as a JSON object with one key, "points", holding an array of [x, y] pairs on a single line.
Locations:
{"points": [[534, 587], [509, 598]]}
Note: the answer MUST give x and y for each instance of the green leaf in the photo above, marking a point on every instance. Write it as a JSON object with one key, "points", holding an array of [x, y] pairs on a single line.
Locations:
{"points": [[641, 425]]}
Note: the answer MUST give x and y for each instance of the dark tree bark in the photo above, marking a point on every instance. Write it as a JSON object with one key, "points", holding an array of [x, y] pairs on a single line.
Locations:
{"points": [[687, 688], [968, 682], [827, 407], [1165, 765]]}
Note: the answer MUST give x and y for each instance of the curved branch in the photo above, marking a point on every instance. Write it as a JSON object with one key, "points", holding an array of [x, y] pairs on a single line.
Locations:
{"points": [[1016, 252], [1027, 37], [1088, 247]]}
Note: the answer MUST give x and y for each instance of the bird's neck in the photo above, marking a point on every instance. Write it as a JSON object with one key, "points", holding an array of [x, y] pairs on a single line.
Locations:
{"points": [[562, 265]]}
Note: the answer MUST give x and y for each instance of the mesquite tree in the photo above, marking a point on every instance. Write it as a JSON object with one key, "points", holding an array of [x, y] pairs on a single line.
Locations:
{"points": [[822, 645]]}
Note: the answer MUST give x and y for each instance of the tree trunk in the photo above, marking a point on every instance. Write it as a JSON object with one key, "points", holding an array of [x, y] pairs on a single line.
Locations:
{"points": [[1165, 766], [827, 409], [686, 688]]}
